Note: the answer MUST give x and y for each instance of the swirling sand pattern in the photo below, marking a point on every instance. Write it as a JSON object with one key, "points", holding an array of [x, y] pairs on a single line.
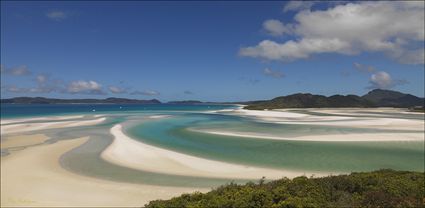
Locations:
{"points": [[129, 158]]}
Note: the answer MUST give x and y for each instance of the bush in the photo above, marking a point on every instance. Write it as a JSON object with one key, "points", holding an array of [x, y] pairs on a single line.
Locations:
{"points": [[382, 188]]}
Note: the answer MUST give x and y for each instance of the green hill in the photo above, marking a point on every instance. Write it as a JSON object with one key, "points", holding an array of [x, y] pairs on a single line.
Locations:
{"points": [[311, 101], [389, 98], [383, 188], [375, 98]]}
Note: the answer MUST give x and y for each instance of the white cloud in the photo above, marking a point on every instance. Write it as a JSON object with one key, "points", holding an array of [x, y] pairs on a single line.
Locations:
{"points": [[297, 5], [56, 15], [85, 87], [146, 92], [272, 73], [41, 78], [292, 50], [21, 70], [276, 27], [383, 80], [393, 28], [117, 90]]}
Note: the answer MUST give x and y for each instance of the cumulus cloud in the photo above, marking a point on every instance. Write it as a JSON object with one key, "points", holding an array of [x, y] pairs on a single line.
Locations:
{"points": [[292, 50], [43, 83], [56, 15], [273, 73], [393, 28], [276, 27], [85, 87], [298, 5], [21, 70], [383, 80], [146, 92], [117, 90]]}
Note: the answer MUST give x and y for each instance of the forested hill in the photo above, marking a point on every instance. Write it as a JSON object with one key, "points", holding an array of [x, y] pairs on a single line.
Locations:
{"points": [[374, 98]]}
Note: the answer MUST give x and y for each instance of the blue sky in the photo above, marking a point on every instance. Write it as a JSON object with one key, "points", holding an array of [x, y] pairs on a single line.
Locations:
{"points": [[210, 51]]}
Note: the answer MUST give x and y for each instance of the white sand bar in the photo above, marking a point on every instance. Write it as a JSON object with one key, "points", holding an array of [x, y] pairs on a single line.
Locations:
{"points": [[327, 138], [49, 118], [25, 127], [342, 117], [130, 153]]}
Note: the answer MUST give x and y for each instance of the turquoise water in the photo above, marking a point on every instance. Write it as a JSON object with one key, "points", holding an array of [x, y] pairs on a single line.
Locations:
{"points": [[182, 130], [172, 133]]}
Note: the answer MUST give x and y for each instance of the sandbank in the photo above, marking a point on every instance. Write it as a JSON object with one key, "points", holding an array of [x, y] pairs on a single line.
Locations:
{"points": [[25, 127], [33, 177], [134, 154]]}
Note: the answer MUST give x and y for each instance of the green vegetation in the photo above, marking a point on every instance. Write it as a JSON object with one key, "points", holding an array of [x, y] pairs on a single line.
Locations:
{"points": [[375, 98], [311, 101], [382, 188], [420, 109]]}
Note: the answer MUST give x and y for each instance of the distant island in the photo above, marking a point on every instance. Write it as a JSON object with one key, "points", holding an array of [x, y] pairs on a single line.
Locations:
{"points": [[374, 98], [186, 102]]}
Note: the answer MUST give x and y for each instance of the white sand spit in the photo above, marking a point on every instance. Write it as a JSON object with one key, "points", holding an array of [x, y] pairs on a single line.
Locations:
{"points": [[50, 118], [25, 127], [130, 153], [328, 138]]}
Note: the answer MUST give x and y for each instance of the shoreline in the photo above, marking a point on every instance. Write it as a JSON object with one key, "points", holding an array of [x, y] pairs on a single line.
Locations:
{"points": [[51, 185]]}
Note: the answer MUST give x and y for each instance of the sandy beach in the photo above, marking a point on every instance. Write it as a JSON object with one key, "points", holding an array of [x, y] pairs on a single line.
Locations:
{"points": [[23, 140], [48, 184]]}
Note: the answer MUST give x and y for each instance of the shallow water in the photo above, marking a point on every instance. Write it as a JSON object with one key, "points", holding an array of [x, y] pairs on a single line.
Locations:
{"points": [[176, 132], [172, 133]]}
